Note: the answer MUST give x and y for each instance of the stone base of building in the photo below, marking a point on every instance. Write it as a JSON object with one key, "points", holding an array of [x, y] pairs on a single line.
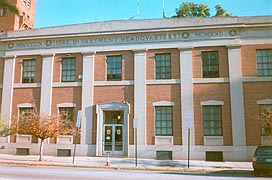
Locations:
{"points": [[176, 152], [227, 153]]}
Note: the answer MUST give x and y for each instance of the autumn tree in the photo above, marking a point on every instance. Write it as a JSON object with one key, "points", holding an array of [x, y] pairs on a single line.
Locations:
{"points": [[192, 10], [44, 127], [9, 6], [5, 129]]}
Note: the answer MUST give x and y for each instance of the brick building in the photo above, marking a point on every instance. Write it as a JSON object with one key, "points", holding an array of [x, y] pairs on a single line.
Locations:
{"points": [[209, 75], [26, 19]]}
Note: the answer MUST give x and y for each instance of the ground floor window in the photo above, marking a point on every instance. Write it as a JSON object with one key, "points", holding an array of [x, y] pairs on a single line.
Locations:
{"points": [[164, 123], [212, 120], [266, 119], [67, 113], [23, 113]]}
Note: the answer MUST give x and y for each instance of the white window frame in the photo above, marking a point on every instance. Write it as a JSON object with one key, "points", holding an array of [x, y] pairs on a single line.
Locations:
{"points": [[28, 3], [4, 11]]}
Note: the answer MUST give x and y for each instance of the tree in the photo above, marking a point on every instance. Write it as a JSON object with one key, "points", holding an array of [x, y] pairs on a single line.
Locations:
{"points": [[9, 6], [192, 10], [220, 11], [5, 129], [266, 118], [44, 127]]}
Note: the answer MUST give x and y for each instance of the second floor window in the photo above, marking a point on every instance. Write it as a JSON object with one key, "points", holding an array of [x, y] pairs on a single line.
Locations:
{"points": [[68, 69], [264, 62], [210, 65], [29, 71], [212, 120], [163, 66], [114, 68]]}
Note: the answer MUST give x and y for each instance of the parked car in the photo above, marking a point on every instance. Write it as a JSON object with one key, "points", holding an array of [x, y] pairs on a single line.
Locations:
{"points": [[262, 160]]}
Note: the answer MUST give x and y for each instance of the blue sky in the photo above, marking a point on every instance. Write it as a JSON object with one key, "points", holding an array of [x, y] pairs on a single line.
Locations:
{"points": [[63, 12]]}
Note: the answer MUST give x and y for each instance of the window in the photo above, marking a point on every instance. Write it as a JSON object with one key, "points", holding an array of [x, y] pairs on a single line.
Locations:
{"points": [[24, 2], [28, 3], [25, 111], [265, 112], [68, 69], [164, 155], [4, 11], [210, 64], [264, 62], [29, 71], [67, 113], [163, 66], [214, 156], [114, 68], [164, 125], [212, 120], [22, 151]]}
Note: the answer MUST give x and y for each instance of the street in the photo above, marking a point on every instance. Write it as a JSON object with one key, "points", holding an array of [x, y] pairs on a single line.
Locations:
{"points": [[11, 172]]}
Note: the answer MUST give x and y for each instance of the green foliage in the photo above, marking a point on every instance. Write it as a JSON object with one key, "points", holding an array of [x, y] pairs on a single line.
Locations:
{"points": [[189, 10], [192, 10], [220, 11], [9, 6]]}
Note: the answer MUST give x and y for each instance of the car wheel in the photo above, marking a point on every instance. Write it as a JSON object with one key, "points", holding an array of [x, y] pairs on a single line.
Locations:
{"points": [[257, 172]]}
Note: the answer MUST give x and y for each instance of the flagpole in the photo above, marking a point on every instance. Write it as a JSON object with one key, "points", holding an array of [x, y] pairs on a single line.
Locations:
{"points": [[163, 14], [138, 12]]}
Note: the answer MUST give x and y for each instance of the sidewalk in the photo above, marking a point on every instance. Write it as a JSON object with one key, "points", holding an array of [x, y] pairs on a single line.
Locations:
{"points": [[129, 164]]}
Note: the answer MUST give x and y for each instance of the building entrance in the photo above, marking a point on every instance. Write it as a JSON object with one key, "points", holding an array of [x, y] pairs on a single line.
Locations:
{"points": [[113, 133]]}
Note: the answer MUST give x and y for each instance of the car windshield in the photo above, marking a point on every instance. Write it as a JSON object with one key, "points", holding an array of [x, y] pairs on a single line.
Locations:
{"points": [[264, 151]]}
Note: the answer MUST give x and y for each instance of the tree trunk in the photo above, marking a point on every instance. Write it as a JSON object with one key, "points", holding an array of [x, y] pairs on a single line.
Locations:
{"points": [[41, 150]]}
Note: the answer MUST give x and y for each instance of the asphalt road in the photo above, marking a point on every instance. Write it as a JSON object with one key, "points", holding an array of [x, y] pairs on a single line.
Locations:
{"points": [[12, 172]]}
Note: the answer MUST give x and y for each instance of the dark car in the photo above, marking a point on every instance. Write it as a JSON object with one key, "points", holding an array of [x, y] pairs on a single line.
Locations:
{"points": [[262, 160]]}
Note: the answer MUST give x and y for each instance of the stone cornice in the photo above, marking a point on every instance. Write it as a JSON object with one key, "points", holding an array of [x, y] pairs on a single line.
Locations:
{"points": [[112, 33], [150, 37], [140, 26]]}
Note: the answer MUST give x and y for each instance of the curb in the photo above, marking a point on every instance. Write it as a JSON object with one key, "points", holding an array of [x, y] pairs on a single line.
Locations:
{"points": [[177, 170]]}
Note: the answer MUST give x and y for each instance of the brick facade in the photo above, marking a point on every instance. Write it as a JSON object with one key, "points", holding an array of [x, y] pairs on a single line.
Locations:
{"points": [[215, 91], [25, 20], [93, 94], [19, 68], [254, 91], [222, 56], [156, 93]]}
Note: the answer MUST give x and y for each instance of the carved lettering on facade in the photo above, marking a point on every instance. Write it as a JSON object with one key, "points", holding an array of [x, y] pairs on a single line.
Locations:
{"points": [[209, 34], [23, 45], [115, 39]]}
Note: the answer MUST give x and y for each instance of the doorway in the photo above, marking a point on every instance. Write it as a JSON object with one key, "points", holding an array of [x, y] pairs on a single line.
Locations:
{"points": [[113, 136], [112, 129], [113, 140]]}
